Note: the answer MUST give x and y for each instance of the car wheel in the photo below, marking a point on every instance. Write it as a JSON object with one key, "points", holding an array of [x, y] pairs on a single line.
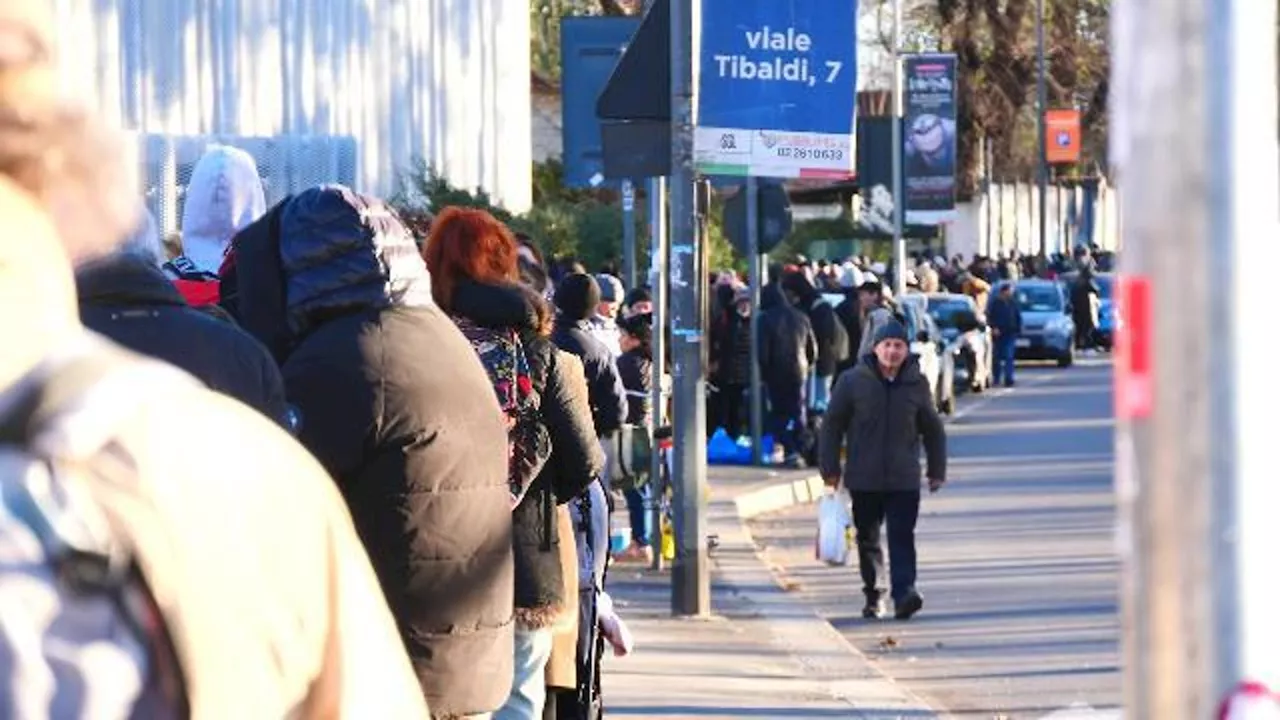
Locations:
{"points": [[1067, 358]]}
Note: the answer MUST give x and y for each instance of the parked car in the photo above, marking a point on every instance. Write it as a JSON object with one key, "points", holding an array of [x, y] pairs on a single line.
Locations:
{"points": [[967, 336], [937, 362], [1106, 308], [1048, 332]]}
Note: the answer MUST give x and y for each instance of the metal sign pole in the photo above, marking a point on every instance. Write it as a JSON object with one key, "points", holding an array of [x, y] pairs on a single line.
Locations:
{"points": [[658, 291], [752, 189], [1195, 472], [899, 187], [690, 578], [628, 235]]}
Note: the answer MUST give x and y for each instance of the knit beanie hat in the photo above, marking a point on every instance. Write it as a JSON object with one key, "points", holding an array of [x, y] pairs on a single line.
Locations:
{"points": [[891, 330], [577, 296]]}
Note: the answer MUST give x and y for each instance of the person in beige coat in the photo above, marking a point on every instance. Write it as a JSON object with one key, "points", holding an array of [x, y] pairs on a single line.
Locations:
{"points": [[250, 554]]}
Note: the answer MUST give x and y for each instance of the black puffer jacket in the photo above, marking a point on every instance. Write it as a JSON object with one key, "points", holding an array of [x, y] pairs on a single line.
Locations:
{"points": [[849, 313], [636, 369], [880, 424], [787, 346], [828, 331], [576, 457], [576, 299], [130, 300], [396, 406]]}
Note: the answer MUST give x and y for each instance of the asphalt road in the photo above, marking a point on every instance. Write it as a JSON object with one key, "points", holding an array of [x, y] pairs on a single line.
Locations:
{"points": [[1016, 563]]}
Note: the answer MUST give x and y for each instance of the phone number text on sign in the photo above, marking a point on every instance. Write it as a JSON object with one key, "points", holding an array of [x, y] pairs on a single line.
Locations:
{"points": [[799, 153]]}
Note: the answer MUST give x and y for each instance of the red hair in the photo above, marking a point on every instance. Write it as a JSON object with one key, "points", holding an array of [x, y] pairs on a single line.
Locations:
{"points": [[468, 244]]}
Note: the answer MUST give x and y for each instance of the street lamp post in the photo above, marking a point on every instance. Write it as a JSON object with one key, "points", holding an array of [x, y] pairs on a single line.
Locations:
{"points": [[1042, 101]]}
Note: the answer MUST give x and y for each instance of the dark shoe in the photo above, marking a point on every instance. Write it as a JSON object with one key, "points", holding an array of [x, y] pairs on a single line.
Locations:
{"points": [[874, 609], [1008, 383], [910, 605]]}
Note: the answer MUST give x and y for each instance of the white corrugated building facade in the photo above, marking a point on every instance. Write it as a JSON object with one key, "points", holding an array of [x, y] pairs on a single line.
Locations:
{"points": [[319, 90]]}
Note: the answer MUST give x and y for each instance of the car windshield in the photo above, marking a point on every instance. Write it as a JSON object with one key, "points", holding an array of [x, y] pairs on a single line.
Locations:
{"points": [[1038, 298], [946, 310]]}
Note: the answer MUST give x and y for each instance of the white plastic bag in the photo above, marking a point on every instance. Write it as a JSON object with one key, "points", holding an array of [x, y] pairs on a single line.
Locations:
{"points": [[834, 523]]}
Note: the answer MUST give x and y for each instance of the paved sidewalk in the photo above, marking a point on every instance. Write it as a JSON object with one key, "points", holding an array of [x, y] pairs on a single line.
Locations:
{"points": [[764, 654]]}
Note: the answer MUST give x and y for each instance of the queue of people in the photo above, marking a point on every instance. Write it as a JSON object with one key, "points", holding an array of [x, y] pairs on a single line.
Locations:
{"points": [[318, 464]]}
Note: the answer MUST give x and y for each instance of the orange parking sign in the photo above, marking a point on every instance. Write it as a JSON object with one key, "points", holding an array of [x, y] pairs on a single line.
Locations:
{"points": [[1062, 136]]}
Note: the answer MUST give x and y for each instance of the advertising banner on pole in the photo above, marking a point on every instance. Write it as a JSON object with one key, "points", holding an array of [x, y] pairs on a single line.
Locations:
{"points": [[777, 84], [1062, 128], [929, 138]]}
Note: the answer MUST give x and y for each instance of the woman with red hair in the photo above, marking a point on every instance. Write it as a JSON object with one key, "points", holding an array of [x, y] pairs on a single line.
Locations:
{"points": [[474, 265]]}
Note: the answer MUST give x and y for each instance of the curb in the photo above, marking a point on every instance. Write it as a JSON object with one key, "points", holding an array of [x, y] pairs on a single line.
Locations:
{"points": [[778, 496]]}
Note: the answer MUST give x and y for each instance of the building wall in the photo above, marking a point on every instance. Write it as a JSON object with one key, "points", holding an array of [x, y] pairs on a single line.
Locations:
{"points": [[443, 80], [1014, 221]]}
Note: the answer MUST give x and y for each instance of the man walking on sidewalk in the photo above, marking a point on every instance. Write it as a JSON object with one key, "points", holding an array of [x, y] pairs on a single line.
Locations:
{"points": [[880, 409]]}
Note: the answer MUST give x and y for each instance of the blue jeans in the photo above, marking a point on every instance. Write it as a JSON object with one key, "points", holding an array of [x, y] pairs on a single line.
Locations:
{"points": [[819, 392], [1006, 351], [638, 505], [529, 683]]}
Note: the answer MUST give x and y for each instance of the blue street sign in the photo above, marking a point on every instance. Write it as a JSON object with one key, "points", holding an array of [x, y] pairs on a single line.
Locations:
{"points": [[590, 48], [777, 88]]}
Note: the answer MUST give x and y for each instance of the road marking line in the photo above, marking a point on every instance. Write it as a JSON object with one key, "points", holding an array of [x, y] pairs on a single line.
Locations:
{"points": [[994, 394], [1082, 711]]}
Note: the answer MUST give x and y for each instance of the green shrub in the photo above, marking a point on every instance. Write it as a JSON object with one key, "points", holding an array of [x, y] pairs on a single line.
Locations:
{"points": [[563, 222]]}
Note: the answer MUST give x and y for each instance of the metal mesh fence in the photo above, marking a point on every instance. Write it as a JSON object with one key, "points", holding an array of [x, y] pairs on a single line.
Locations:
{"points": [[286, 164]]}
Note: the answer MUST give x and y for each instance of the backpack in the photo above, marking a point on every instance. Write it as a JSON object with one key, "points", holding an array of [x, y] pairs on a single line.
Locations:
{"points": [[197, 286], [505, 362], [71, 585]]}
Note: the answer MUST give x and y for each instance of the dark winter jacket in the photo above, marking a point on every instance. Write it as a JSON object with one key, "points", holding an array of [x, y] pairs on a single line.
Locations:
{"points": [[832, 339], [1003, 315], [636, 369], [397, 407], [129, 300], [731, 349], [604, 384], [880, 425], [1082, 292], [251, 284], [576, 457], [849, 313], [787, 346], [576, 299]]}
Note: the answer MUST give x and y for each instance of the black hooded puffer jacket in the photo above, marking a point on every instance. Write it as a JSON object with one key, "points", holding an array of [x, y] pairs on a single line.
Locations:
{"points": [[397, 407]]}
